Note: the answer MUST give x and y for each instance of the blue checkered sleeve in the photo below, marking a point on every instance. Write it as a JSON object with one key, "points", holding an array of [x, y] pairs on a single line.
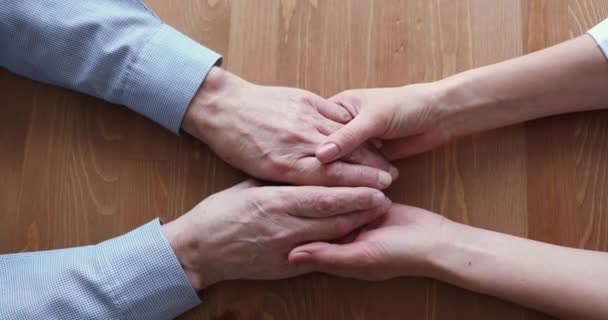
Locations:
{"points": [[135, 276], [116, 50]]}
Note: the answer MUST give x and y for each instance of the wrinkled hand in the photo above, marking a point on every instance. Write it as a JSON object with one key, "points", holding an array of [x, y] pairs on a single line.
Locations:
{"points": [[272, 133], [405, 119], [247, 231], [400, 243]]}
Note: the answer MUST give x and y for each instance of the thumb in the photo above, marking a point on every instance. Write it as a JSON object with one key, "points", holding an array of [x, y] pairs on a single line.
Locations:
{"points": [[347, 139], [338, 259]]}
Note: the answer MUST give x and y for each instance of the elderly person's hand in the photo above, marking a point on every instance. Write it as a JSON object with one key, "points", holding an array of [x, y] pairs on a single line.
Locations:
{"points": [[247, 231], [272, 133]]}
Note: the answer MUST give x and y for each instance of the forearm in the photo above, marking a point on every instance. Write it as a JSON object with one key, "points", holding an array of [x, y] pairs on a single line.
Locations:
{"points": [[566, 282], [569, 77]]}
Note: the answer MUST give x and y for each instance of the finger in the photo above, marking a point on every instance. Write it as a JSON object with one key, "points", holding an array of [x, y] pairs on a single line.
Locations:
{"points": [[368, 156], [337, 259], [347, 138], [327, 126], [346, 101], [310, 171], [335, 227], [333, 111], [409, 146], [322, 202]]}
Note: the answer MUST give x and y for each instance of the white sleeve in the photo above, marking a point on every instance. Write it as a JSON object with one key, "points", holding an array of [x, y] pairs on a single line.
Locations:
{"points": [[599, 33]]}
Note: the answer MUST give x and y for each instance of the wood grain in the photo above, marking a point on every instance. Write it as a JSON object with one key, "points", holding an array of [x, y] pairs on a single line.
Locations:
{"points": [[75, 170]]}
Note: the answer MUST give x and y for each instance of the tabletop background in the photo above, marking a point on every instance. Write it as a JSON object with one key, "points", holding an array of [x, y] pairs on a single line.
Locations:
{"points": [[75, 170]]}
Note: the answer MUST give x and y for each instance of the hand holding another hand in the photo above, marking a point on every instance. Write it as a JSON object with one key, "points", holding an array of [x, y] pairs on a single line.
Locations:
{"points": [[401, 243], [247, 231], [272, 134], [406, 119]]}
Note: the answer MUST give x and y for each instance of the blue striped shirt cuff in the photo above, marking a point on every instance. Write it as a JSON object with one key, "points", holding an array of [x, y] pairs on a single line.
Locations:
{"points": [[165, 76], [145, 275]]}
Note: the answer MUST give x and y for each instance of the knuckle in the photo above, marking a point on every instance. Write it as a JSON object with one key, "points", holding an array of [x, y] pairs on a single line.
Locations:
{"points": [[279, 164], [356, 156], [327, 203], [292, 137], [364, 198], [328, 126], [302, 204], [307, 99], [336, 174], [366, 175]]}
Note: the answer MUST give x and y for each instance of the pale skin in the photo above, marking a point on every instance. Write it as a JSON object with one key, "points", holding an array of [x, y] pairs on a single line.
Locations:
{"points": [[565, 282], [247, 231], [271, 133]]}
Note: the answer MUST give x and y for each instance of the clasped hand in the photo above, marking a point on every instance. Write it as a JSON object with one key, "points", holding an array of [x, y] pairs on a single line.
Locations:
{"points": [[247, 231], [272, 133], [294, 136]]}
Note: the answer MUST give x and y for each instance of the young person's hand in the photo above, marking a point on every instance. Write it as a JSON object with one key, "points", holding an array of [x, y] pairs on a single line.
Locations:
{"points": [[566, 282], [569, 77], [406, 120], [400, 243]]}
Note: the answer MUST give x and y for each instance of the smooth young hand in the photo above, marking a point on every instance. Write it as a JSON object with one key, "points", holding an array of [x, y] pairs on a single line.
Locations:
{"points": [[405, 119], [272, 133], [566, 282], [399, 243], [568, 77]]}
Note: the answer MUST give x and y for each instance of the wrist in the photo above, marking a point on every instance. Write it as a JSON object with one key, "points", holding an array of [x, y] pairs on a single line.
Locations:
{"points": [[207, 102], [451, 252], [466, 255], [186, 253], [464, 109]]}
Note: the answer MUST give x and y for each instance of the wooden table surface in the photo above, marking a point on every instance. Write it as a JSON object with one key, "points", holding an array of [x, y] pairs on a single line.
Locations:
{"points": [[75, 170]]}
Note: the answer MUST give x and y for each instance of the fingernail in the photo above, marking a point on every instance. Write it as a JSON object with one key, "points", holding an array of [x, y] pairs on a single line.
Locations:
{"points": [[346, 116], [328, 151], [300, 257], [394, 172], [384, 179], [378, 198]]}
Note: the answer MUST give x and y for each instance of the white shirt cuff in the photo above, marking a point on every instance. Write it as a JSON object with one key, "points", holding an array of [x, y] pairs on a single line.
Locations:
{"points": [[599, 33]]}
